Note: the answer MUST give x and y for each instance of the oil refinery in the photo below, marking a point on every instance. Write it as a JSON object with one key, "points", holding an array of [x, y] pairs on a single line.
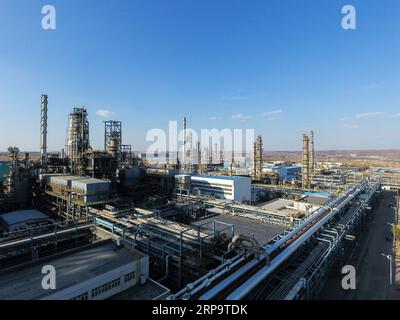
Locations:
{"points": [[197, 158], [119, 227]]}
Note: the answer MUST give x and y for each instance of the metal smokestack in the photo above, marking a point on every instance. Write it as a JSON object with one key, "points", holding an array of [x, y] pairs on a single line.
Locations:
{"points": [[184, 141], [43, 130]]}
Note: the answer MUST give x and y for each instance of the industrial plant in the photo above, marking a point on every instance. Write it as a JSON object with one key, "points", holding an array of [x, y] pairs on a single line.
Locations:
{"points": [[206, 224]]}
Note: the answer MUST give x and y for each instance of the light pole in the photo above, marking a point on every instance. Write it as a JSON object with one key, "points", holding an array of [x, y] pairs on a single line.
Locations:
{"points": [[389, 257]]}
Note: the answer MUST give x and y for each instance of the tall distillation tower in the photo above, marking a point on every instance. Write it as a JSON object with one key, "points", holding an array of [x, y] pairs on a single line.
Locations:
{"points": [[305, 173], [312, 153], [188, 149], [43, 131], [257, 158], [113, 138], [77, 137]]}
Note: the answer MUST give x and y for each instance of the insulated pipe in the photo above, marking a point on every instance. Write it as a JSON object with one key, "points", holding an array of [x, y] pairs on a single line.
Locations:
{"points": [[167, 263], [258, 277], [242, 238], [225, 283], [296, 289], [228, 280], [316, 216], [222, 269], [239, 273], [43, 236], [208, 281], [201, 280]]}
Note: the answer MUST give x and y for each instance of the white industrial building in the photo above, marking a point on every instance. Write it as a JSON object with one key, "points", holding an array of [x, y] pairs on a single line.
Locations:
{"points": [[284, 171], [96, 273], [223, 187]]}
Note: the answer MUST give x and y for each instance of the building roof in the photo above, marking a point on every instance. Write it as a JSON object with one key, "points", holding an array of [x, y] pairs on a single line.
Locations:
{"points": [[317, 194], [82, 179], [151, 290], [72, 269], [22, 216], [276, 167], [205, 176], [282, 206], [315, 200], [92, 181], [290, 176], [318, 198]]}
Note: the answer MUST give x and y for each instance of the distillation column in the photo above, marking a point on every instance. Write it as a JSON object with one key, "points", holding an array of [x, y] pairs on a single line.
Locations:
{"points": [[113, 138], [43, 131], [312, 153], [77, 137], [305, 174], [258, 158]]}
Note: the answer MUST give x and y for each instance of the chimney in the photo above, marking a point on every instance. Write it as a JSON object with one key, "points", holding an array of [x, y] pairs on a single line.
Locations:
{"points": [[184, 141]]}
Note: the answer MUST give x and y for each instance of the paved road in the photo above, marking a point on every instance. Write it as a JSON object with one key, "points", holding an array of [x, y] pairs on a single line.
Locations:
{"points": [[371, 267]]}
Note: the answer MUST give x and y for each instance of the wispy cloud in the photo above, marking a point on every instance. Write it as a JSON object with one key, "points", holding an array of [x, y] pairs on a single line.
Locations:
{"points": [[241, 117], [375, 85], [237, 97], [213, 118], [369, 115], [104, 113], [304, 129], [271, 115], [352, 126]]}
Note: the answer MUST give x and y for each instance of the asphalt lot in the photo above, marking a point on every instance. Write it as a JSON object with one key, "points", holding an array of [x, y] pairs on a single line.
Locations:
{"points": [[372, 268]]}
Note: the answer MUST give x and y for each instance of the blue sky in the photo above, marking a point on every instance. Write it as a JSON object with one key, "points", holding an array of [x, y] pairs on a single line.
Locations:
{"points": [[280, 67]]}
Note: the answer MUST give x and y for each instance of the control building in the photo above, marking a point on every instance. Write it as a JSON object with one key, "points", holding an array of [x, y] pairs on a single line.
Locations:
{"points": [[223, 187]]}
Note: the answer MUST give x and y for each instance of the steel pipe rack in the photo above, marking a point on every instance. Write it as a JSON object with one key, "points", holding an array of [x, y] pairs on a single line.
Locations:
{"points": [[279, 252], [318, 221]]}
